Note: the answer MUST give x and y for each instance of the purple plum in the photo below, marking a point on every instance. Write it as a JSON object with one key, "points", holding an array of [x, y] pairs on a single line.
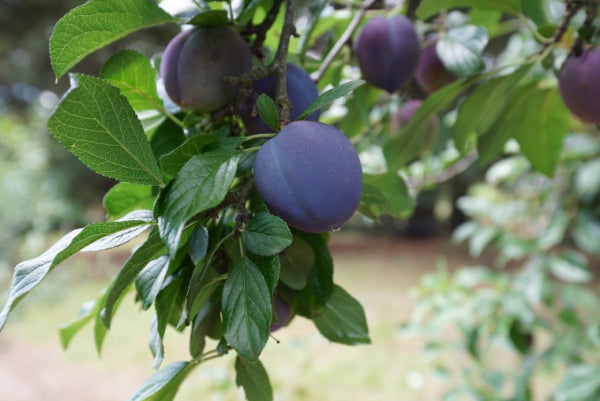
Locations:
{"points": [[310, 176], [195, 62], [388, 52], [301, 91], [431, 73], [283, 311], [579, 84]]}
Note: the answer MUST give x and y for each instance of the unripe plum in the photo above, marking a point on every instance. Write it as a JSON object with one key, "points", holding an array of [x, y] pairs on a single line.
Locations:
{"points": [[579, 83], [283, 311], [195, 62], [310, 176], [301, 92], [431, 73], [388, 52]]}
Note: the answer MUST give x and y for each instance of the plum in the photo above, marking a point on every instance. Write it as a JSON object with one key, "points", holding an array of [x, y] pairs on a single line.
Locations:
{"points": [[301, 91], [402, 117], [579, 85], [310, 176], [195, 62], [431, 73], [283, 311], [388, 52]]}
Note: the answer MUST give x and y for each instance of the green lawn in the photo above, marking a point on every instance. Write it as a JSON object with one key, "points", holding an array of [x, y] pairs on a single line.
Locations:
{"points": [[302, 365]]}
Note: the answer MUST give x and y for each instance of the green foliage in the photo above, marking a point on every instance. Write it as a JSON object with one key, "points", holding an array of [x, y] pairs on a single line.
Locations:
{"points": [[215, 256]]}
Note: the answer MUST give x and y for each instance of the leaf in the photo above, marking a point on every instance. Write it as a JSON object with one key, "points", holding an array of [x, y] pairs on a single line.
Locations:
{"points": [[266, 235], [270, 268], [163, 385], [202, 286], [173, 161], [121, 237], [386, 195], [540, 134], [198, 244], [132, 73], [579, 383], [586, 233], [85, 315], [268, 111], [343, 320], [329, 96], [253, 378], [409, 142], [485, 104], [149, 250], [210, 18], [427, 8], [571, 267], [150, 280], [521, 339], [246, 305], [297, 261], [97, 23], [97, 124], [460, 49], [30, 273], [587, 179], [201, 184], [125, 197]]}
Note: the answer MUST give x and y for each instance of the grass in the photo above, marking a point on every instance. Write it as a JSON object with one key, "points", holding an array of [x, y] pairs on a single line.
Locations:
{"points": [[302, 365]]}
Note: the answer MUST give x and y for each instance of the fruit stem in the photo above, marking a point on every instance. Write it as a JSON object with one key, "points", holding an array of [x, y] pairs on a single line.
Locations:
{"points": [[316, 76]]}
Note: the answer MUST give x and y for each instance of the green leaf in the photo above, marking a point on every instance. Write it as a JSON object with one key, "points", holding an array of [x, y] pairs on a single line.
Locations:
{"points": [[246, 307], [586, 233], [132, 73], [198, 244], [485, 104], [386, 195], [173, 161], [163, 385], [268, 111], [540, 134], [248, 9], [427, 8], [266, 235], [270, 268], [343, 320], [408, 144], [125, 197], [94, 237], [150, 280], [210, 18], [587, 179], [149, 250], [571, 267], [85, 315], [328, 97], [202, 285], [201, 184], [579, 383], [253, 378], [97, 124], [521, 339], [460, 49], [297, 261], [97, 23]]}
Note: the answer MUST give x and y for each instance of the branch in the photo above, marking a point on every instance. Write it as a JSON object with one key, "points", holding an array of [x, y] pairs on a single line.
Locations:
{"points": [[280, 63], [316, 76], [448, 173]]}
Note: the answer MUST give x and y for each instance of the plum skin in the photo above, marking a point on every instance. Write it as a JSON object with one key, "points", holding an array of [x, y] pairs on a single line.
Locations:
{"points": [[388, 52], [310, 176], [579, 85], [431, 73], [195, 62], [283, 311], [301, 91]]}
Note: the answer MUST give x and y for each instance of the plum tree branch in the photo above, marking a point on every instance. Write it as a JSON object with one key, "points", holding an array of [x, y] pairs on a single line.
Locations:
{"points": [[316, 76], [416, 184], [280, 63]]}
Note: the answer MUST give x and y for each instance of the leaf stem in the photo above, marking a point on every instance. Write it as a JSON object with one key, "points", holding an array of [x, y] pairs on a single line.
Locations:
{"points": [[258, 136]]}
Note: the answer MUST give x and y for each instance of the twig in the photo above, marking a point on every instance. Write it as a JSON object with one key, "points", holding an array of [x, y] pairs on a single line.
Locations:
{"points": [[261, 30], [448, 173], [316, 76], [280, 63]]}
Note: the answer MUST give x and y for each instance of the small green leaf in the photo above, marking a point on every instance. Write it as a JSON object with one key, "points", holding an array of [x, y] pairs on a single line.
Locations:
{"points": [[579, 383], [297, 261], [571, 267], [97, 124], [210, 18], [96, 24], [202, 285], [132, 73], [386, 195], [266, 235], [246, 307], [198, 244], [270, 268], [125, 197], [586, 233], [521, 339], [460, 49], [150, 280], [253, 378], [328, 97], [173, 161], [268, 111], [201, 184], [163, 385], [587, 179], [427, 8], [85, 315], [343, 320]]}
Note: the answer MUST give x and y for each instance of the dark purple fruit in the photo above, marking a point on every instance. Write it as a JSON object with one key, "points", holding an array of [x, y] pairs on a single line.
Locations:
{"points": [[301, 91], [283, 311], [388, 52], [431, 73], [195, 62], [310, 176], [579, 83]]}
